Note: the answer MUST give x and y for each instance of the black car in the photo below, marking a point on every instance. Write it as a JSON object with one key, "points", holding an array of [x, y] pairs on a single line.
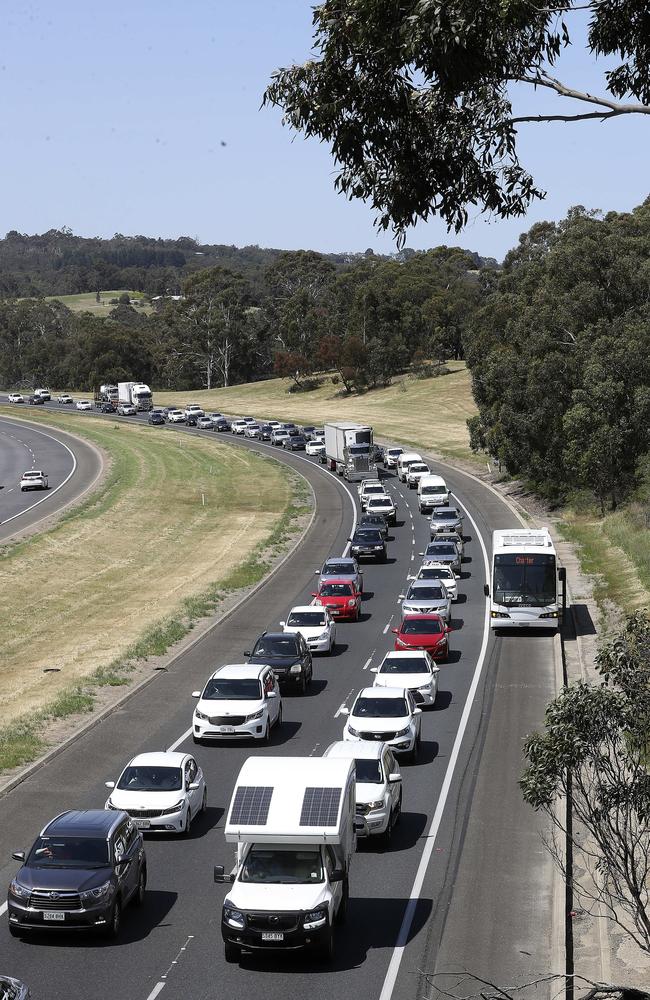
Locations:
{"points": [[107, 408], [264, 432], [191, 419], [289, 656], [221, 424], [377, 521], [308, 432], [13, 989], [156, 417], [380, 454], [295, 442], [368, 543], [35, 400], [81, 872]]}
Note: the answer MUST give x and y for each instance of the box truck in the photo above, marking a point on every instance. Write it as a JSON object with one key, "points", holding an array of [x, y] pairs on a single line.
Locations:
{"points": [[349, 450], [136, 393], [293, 822]]}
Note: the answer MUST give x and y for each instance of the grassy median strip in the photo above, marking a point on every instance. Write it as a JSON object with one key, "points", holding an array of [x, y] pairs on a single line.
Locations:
{"points": [[428, 413], [178, 525]]}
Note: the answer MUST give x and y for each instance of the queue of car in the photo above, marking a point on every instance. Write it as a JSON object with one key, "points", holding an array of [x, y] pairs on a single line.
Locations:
{"points": [[164, 791]]}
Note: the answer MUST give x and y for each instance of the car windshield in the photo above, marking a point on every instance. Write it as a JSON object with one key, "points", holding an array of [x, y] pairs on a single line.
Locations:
{"points": [[273, 867], [433, 490], [69, 852], [312, 618], [380, 708], [368, 535], [381, 502], [445, 515], [437, 573], [425, 593], [421, 626], [441, 549], [368, 772], [406, 665], [139, 778], [416, 467], [336, 590], [276, 646], [338, 569], [232, 689]]}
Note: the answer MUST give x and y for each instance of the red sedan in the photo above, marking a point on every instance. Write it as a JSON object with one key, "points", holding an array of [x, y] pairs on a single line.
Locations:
{"points": [[340, 597], [424, 632]]}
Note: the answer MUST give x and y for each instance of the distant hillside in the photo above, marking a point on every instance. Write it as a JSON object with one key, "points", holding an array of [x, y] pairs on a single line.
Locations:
{"points": [[60, 263]]}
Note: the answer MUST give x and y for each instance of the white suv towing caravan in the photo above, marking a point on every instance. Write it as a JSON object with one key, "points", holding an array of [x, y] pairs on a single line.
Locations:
{"points": [[293, 821]]}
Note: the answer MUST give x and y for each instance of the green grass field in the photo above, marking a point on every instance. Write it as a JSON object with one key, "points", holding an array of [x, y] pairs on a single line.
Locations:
{"points": [[87, 301], [430, 413], [172, 530]]}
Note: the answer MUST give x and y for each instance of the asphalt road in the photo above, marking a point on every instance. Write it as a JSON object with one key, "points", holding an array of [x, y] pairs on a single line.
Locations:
{"points": [[465, 882], [72, 466]]}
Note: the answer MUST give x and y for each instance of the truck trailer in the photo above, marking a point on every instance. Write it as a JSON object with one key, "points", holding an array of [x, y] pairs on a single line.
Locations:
{"points": [[349, 450], [135, 393]]}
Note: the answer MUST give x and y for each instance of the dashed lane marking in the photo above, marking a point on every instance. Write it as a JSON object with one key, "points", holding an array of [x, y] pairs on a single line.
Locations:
{"points": [[343, 705], [387, 625]]}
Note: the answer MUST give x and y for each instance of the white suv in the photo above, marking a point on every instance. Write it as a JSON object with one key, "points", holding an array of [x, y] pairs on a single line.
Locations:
{"points": [[386, 715], [378, 785], [238, 426], [161, 791], [240, 700], [415, 669], [371, 490], [415, 473], [426, 597], [441, 572], [315, 625], [194, 410]]}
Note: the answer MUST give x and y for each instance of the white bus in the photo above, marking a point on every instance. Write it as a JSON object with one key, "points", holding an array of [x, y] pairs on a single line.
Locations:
{"points": [[524, 580]]}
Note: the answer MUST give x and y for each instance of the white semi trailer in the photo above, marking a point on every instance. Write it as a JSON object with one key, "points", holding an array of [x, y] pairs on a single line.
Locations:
{"points": [[349, 450], [136, 393]]}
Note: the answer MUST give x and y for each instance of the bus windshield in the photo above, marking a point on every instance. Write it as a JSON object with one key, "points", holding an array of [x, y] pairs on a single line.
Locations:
{"points": [[524, 580]]}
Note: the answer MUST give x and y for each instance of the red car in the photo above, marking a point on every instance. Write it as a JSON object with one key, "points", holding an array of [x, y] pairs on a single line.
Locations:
{"points": [[340, 597], [424, 632]]}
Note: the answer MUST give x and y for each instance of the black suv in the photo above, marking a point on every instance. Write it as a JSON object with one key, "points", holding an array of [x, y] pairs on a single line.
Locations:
{"points": [[81, 872], [156, 417], [289, 655], [377, 521], [368, 543]]}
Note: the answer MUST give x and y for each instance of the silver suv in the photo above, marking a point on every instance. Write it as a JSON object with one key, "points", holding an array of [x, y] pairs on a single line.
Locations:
{"points": [[443, 552], [446, 519], [425, 597]]}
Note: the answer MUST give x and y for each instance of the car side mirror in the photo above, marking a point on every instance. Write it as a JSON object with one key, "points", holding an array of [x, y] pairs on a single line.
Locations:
{"points": [[374, 670], [337, 875], [448, 628], [247, 652], [314, 594], [420, 553], [562, 573], [435, 670], [344, 710], [196, 694], [417, 711], [395, 630], [272, 694], [392, 778], [18, 855], [486, 590], [283, 624], [220, 875], [110, 784], [401, 596], [316, 572], [193, 785]]}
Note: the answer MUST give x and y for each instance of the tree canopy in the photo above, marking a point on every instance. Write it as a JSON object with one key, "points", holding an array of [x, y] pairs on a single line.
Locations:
{"points": [[417, 98]]}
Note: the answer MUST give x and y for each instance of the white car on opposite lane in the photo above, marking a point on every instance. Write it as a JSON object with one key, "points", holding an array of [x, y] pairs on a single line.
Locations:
{"points": [[414, 669], [315, 625], [161, 791], [239, 701]]}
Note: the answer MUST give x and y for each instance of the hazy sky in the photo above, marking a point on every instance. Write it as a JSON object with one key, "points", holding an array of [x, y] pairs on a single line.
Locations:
{"points": [[142, 117]]}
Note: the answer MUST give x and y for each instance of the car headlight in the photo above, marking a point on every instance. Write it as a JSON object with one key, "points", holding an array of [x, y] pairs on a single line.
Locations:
{"points": [[353, 732], [351, 602], [101, 892], [296, 668], [378, 548], [403, 732], [499, 614], [323, 636], [425, 687], [201, 715], [375, 805], [17, 889], [549, 614], [110, 805], [255, 715], [234, 918], [315, 919]]}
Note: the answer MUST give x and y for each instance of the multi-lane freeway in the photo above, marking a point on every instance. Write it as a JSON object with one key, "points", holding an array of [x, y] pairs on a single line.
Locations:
{"points": [[72, 466], [465, 883]]}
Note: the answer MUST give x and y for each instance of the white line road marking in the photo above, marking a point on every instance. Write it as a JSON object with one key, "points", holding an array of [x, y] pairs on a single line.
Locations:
{"points": [[412, 553], [343, 705], [369, 660], [313, 750], [181, 739], [387, 625], [3, 909], [432, 833], [50, 493], [158, 988]]}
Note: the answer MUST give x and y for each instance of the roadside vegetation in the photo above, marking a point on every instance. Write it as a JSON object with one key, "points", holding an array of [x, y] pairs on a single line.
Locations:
{"points": [[173, 530]]}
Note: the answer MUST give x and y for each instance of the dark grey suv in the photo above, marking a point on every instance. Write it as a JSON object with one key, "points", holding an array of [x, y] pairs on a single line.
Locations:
{"points": [[81, 872]]}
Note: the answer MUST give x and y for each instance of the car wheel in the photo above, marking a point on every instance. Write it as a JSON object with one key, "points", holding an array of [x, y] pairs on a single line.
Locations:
{"points": [[231, 952], [267, 733], [357, 614], [140, 892], [204, 800], [278, 721], [398, 809], [325, 948], [114, 924], [342, 911], [188, 822], [413, 756], [14, 931], [197, 740], [302, 687]]}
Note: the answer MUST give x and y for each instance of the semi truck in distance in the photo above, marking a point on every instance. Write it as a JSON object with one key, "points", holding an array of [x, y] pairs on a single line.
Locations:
{"points": [[350, 451], [135, 394], [106, 394], [293, 821]]}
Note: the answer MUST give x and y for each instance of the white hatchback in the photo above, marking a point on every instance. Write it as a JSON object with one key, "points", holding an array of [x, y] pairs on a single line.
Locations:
{"points": [[385, 715], [239, 701], [161, 791], [315, 625], [176, 417], [378, 785], [414, 669], [15, 397], [314, 447], [441, 572]]}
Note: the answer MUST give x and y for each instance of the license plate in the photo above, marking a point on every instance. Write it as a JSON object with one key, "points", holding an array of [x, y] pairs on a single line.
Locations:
{"points": [[226, 729], [53, 915], [272, 936], [142, 824]]}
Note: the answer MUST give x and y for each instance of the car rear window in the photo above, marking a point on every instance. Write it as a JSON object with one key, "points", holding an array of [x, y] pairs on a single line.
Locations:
{"points": [[421, 626], [336, 590]]}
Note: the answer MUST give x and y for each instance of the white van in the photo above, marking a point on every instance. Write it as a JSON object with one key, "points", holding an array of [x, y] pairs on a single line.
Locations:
{"points": [[293, 821], [405, 459], [432, 492]]}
